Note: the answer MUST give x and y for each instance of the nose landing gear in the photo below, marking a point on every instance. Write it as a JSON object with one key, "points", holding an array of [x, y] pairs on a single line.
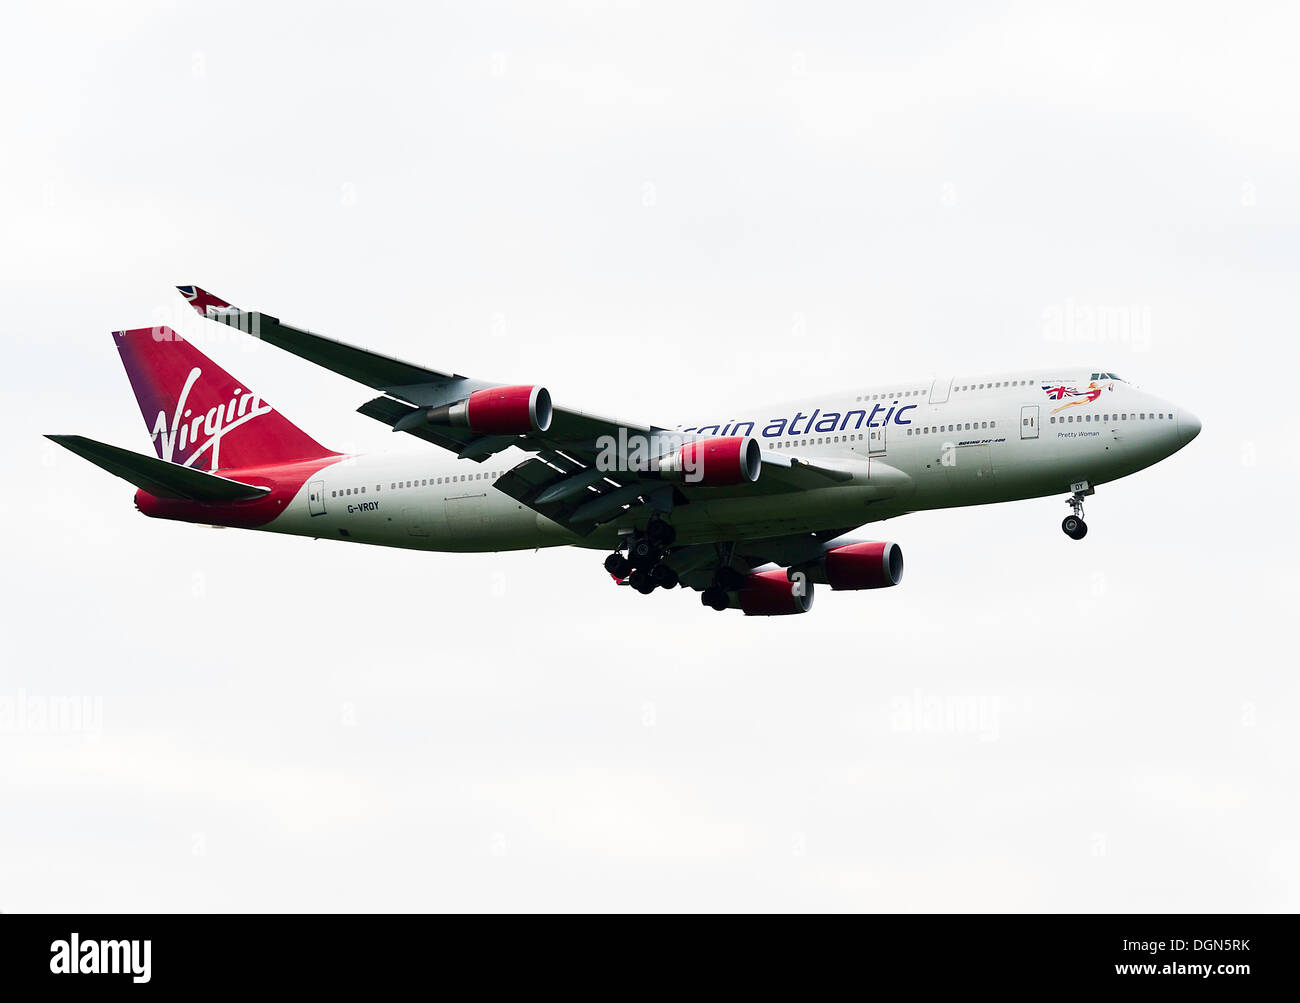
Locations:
{"points": [[1073, 525]]}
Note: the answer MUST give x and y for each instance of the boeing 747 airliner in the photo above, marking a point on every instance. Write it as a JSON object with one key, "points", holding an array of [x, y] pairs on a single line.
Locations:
{"points": [[751, 509]]}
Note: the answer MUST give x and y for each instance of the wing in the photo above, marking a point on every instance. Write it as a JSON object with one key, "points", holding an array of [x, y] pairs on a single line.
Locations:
{"points": [[565, 480]]}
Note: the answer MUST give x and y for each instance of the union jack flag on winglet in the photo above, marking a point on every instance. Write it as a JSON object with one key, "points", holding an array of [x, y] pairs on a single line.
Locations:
{"points": [[204, 303]]}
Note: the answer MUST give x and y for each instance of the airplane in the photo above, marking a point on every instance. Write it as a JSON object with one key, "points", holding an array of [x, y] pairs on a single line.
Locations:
{"points": [[751, 509]]}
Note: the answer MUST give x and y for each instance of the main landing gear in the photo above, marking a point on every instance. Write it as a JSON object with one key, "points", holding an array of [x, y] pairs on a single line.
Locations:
{"points": [[643, 567], [727, 580], [1073, 525]]}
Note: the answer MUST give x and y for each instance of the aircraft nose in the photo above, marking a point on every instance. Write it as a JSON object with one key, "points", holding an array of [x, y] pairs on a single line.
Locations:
{"points": [[1189, 427]]}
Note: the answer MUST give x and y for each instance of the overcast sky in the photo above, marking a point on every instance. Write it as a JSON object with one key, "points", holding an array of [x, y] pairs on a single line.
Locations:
{"points": [[656, 211]]}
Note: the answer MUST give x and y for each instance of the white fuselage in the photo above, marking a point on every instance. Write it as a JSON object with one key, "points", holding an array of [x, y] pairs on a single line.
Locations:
{"points": [[909, 446]]}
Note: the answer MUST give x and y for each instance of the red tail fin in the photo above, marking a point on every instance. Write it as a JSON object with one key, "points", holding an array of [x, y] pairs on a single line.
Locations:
{"points": [[198, 414]]}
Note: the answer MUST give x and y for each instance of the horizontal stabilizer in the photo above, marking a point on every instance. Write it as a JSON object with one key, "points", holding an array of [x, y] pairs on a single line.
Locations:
{"points": [[158, 477]]}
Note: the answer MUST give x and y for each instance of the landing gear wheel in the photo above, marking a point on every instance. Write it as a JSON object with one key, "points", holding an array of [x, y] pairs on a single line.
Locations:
{"points": [[663, 576], [660, 534], [642, 553], [730, 579], [714, 597], [617, 565], [641, 581], [1073, 525]]}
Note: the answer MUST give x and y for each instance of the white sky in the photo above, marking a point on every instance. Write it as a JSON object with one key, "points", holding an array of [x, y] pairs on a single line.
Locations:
{"points": [[655, 211]]}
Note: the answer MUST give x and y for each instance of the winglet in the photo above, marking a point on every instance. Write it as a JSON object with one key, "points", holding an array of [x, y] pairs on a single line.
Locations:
{"points": [[204, 303]]}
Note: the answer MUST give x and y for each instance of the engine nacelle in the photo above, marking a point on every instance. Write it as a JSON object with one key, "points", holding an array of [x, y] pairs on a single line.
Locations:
{"points": [[859, 566], [715, 463], [770, 593], [498, 411]]}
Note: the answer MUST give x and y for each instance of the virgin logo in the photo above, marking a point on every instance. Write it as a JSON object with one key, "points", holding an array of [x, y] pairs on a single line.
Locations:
{"points": [[181, 435]]}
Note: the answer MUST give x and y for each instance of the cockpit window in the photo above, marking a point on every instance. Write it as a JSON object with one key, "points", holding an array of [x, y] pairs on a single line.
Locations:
{"points": [[1107, 376]]}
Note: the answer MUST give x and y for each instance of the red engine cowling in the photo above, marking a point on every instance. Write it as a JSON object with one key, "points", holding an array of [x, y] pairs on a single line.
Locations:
{"points": [[497, 411], [771, 593], [715, 463], [509, 410], [861, 566]]}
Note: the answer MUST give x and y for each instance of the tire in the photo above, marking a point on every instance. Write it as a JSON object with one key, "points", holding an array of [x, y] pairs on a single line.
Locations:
{"points": [[664, 576], [730, 579], [616, 565], [641, 581], [714, 597], [1074, 527]]}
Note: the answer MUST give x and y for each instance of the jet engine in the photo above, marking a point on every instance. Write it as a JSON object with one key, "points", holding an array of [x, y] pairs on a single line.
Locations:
{"points": [[876, 565], [498, 411], [714, 463], [770, 593]]}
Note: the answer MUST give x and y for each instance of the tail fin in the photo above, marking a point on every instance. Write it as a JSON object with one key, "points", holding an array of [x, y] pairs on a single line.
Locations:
{"points": [[198, 414]]}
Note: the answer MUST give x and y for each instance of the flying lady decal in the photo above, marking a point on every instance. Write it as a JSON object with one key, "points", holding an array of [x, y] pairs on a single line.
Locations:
{"points": [[1076, 397]]}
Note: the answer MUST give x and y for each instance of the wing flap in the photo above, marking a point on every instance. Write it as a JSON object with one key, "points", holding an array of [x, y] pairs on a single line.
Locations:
{"points": [[575, 497]]}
